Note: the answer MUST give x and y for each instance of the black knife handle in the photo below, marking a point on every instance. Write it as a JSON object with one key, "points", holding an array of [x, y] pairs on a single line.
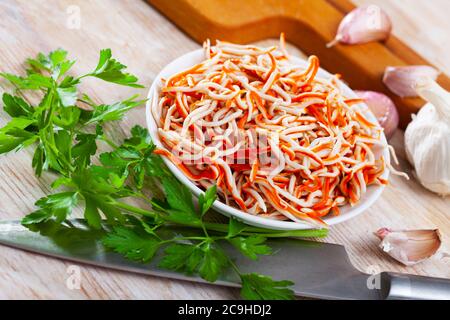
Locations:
{"points": [[397, 286]]}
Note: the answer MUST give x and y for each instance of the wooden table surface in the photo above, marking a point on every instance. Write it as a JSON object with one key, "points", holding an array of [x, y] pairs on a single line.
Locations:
{"points": [[145, 41]]}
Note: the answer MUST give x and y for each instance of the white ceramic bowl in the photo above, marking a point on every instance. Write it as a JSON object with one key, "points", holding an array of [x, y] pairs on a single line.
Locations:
{"points": [[347, 212]]}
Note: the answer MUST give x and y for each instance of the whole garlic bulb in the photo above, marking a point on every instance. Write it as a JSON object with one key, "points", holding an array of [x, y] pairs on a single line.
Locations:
{"points": [[427, 139]]}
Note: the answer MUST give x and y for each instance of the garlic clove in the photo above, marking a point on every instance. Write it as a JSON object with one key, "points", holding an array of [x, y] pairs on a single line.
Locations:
{"points": [[409, 247], [403, 80], [362, 25], [383, 108]]}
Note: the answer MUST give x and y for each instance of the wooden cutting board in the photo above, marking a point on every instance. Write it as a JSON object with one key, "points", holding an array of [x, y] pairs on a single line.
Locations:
{"points": [[310, 25]]}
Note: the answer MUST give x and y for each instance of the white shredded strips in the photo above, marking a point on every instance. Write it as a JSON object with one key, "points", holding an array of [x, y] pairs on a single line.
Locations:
{"points": [[277, 140]]}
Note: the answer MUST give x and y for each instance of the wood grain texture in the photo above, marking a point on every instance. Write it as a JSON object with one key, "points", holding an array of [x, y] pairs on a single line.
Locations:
{"points": [[310, 25], [146, 41]]}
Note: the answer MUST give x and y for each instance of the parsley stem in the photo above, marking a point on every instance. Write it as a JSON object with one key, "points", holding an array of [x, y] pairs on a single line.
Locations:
{"points": [[249, 230], [223, 228], [182, 239], [85, 102], [205, 231], [234, 267], [310, 233], [134, 209]]}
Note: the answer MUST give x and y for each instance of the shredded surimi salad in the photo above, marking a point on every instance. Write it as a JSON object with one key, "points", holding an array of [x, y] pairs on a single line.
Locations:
{"points": [[277, 140]]}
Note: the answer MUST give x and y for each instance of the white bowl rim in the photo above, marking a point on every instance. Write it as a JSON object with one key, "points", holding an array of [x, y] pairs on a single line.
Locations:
{"points": [[197, 56]]}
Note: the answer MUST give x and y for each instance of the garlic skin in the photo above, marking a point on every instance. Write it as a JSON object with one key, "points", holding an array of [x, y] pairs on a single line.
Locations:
{"points": [[409, 247], [383, 108], [362, 25], [427, 139], [403, 80]]}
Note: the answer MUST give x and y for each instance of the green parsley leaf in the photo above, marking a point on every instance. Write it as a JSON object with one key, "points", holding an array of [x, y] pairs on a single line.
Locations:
{"points": [[67, 95], [259, 287], [31, 82], [70, 81], [37, 216], [14, 136], [61, 69], [38, 163], [206, 199], [40, 64], [105, 204], [55, 63], [88, 182], [235, 227], [140, 139], [251, 246], [208, 260], [176, 258], [16, 106], [58, 205], [63, 142], [115, 111], [84, 149], [214, 262], [132, 158], [68, 117], [111, 70], [99, 195], [132, 245], [18, 123], [122, 163], [179, 197], [91, 212], [181, 217], [56, 150]]}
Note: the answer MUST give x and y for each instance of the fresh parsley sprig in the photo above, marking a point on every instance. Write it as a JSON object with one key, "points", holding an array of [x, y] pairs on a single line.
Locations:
{"points": [[65, 127], [61, 116]]}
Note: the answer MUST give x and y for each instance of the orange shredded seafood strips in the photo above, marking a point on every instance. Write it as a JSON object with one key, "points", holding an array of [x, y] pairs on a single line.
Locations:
{"points": [[278, 140]]}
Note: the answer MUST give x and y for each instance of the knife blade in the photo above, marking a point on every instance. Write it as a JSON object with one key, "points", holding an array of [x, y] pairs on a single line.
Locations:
{"points": [[319, 270]]}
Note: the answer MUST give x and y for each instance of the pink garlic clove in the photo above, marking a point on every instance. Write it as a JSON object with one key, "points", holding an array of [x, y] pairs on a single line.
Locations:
{"points": [[362, 25], [383, 108], [383, 232], [403, 80], [409, 246]]}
